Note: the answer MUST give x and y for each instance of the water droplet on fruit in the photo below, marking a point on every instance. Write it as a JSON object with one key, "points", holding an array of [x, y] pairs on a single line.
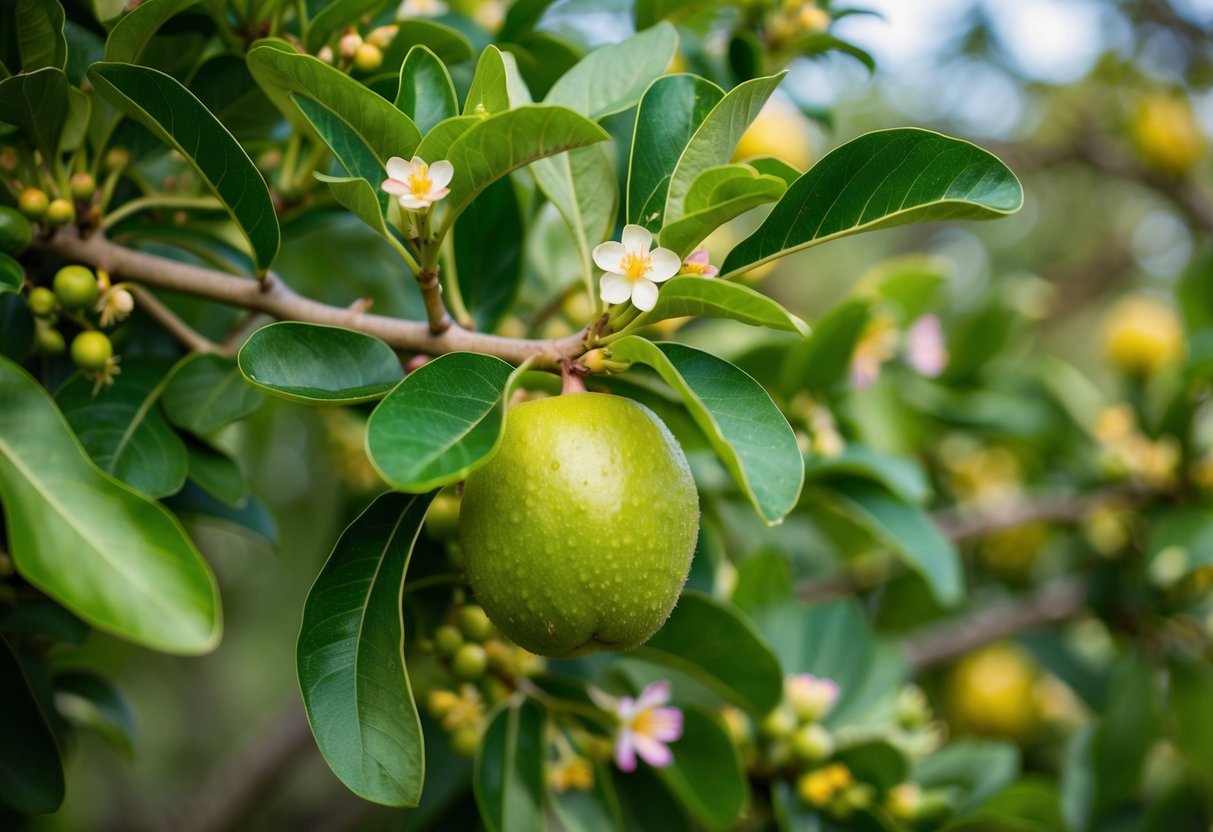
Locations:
{"points": [[555, 465]]}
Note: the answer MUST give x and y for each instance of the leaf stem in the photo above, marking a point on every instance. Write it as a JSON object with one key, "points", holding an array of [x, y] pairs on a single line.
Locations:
{"points": [[150, 202]]}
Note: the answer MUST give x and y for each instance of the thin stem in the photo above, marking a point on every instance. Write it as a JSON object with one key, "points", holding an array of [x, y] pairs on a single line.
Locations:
{"points": [[147, 203], [455, 296], [173, 325]]}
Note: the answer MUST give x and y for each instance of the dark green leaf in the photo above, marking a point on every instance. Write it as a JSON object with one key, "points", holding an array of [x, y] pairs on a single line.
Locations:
{"points": [[169, 110], [426, 94], [12, 277], [886, 178], [1191, 695], [1187, 530], [750, 435], [708, 298], [216, 473], [134, 31], [112, 556], [317, 364], [824, 361], [488, 243], [449, 44], [36, 103], [40, 35], [351, 151], [16, 327], [197, 507], [442, 422], [31, 773], [206, 392], [613, 77], [670, 112], [123, 430], [1125, 733], [707, 776], [92, 702], [900, 475], [351, 656], [225, 86], [509, 768], [877, 762], [649, 12], [705, 637], [41, 616]]}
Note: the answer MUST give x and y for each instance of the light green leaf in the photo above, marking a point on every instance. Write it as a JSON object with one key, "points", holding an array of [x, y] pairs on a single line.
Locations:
{"points": [[901, 475], [31, 772], [717, 205], [581, 184], [670, 112], [122, 429], [704, 638], [351, 656], [442, 422], [1191, 693], [772, 166], [509, 776], [437, 143], [707, 776], [709, 298], [824, 360], [206, 392], [317, 364], [336, 15], [132, 33], [749, 434], [613, 77], [37, 104], [886, 178], [980, 767], [505, 142], [40, 38], [12, 276], [115, 558], [716, 138], [910, 532], [1186, 530], [169, 110], [496, 85], [360, 198], [426, 93], [75, 125]]}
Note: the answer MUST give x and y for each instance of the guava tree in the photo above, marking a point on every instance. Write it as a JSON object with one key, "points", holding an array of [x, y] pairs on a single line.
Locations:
{"points": [[577, 591]]}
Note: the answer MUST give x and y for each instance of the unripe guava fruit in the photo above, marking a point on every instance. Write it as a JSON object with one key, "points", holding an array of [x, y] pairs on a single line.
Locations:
{"points": [[91, 350], [578, 534]]}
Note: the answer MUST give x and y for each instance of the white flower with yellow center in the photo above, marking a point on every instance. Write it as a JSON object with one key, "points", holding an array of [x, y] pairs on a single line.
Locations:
{"points": [[632, 270], [416, 184], [422, 8]]}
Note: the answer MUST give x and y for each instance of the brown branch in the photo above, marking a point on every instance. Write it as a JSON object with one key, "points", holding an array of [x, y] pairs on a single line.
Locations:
{"points": [[273, 297], [942, 643], [431, 292], [173, 325]]}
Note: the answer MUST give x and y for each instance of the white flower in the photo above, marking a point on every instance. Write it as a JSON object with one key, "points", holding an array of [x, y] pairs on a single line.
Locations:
{"points": [[417, 184], [632, 270], [114, 306], [422, 8]]}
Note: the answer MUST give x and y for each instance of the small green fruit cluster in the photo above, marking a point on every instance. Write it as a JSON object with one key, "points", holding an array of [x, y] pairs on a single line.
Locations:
{"points": [[74, 290]]}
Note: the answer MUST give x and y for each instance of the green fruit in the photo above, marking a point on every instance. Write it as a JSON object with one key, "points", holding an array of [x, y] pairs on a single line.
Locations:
{"points": [[474, 623], [60, 212], [42, 302], [442, 520], [91, 350], [578, 534], [15, 232], [464, 742], [50, 340], [447, 640], [469, 663], [83, 185], [33, 203], [76, 287], [813, 743]]}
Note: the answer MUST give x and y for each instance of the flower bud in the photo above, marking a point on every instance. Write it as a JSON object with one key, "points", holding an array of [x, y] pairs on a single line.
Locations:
{"points": [[811, 698]]}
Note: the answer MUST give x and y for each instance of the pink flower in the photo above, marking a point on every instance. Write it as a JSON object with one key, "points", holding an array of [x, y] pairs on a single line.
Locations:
{"points": [[645, 727], [697, 264], [811, 697], [416, 184], [925, 350]]}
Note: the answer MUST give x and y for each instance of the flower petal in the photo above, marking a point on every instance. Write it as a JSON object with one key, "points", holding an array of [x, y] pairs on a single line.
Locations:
{"points": [[602, 699], [644, 296], [398, 168], [657, 693], [665, 724], [637, 238], [656, 754], [625, 751], [699, 255], [614, 288], [441, 173], [609, 256], [394, 187], [663, 264], [438, 194], [414, 202]]}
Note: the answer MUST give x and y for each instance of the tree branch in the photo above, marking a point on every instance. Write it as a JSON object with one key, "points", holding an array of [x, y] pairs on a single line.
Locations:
{"points": [[273, 297], [173, 325]]}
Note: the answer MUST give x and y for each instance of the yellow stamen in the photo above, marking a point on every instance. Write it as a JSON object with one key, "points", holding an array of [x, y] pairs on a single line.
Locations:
{"points": [[695, 268], [635, 266], [419, 180]]}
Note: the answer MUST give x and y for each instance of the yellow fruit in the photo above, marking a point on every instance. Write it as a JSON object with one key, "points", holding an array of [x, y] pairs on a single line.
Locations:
{"points": [[83, 185], [578, 534], [1167, 135], [76, 287], [33, 202], [1141, 334], [42, 302], [60, 212], [91, 351], [442, 520], [368, 58], [991, 692], [464, 742], [780, 131]]}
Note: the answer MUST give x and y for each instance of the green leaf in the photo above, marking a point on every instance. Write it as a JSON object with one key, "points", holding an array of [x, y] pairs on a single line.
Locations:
{"points": [[442, 422], [882, 179], [112, 556], [1126, 731], [772, 166], [670, 112], [1192, 733], [426, 94], [509, 768], [92, 702], [216, 473], [449, 44], [613, 77], [360, 198], [75, 125], [12, 276], [31, 772], [709, 298], [385, 131], [1187, 530], [711, 206], [36, 103], [506, 141], [196, 507], [707, 776], [40, 616], [123, 430], [496, 84], [704, 638], [336, 16], [488, 244], [351, 656], [750, 435], [16, 327], [437, 143], [206, 392], [39, 34], [824, 361], [910, 532], [716, 138], [648, 12], [582, 185], [902, 476], [169, 110], [351, 151], [981, 768], [132, 33], [317, 364]]}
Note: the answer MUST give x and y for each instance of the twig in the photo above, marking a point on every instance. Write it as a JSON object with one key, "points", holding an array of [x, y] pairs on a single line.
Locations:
{"points": [[167, 318], [273, 297], [941, 643]]}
